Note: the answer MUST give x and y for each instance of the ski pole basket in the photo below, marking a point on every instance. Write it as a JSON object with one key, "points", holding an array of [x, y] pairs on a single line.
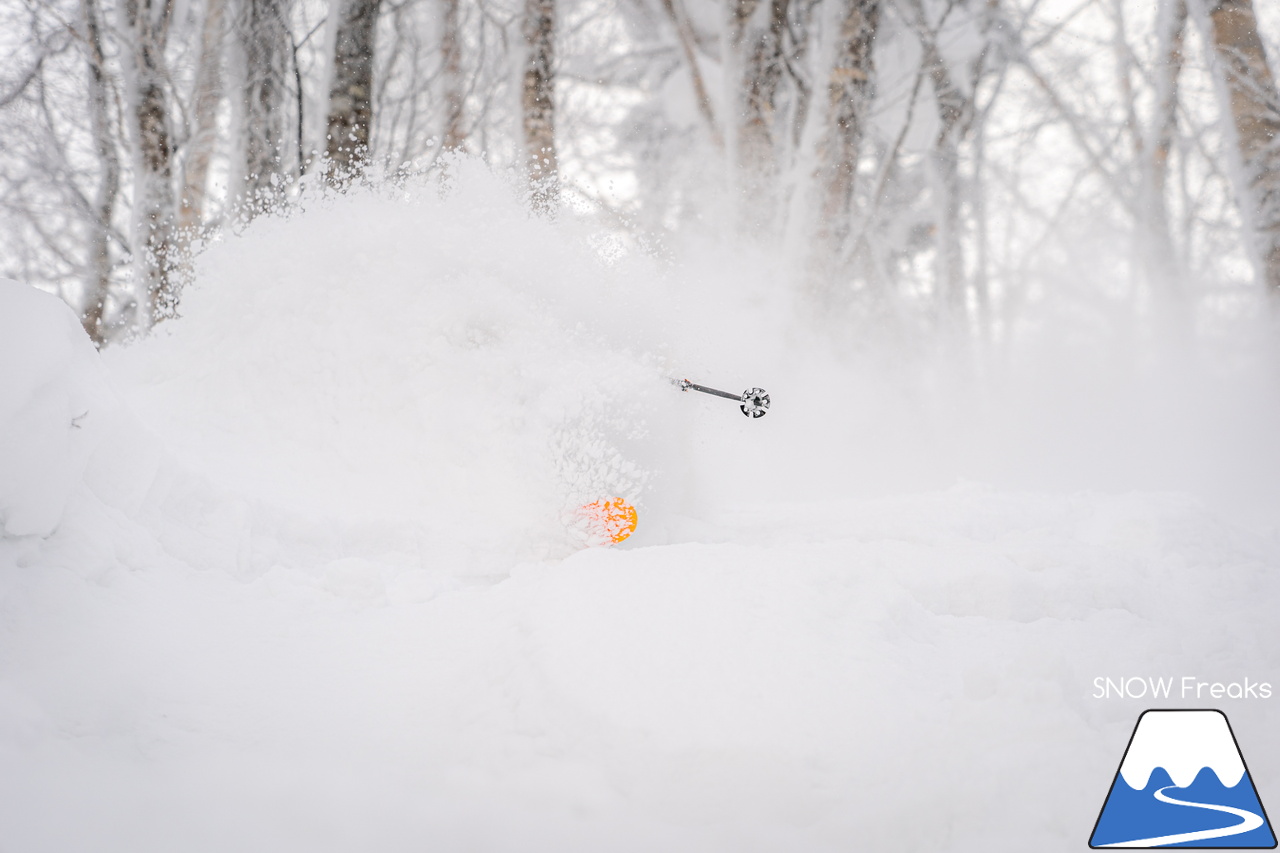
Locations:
{"points": [[754, 402]]}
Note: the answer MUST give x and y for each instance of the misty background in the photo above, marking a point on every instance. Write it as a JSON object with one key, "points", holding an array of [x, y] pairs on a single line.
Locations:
{"points": [[1052, 227]]}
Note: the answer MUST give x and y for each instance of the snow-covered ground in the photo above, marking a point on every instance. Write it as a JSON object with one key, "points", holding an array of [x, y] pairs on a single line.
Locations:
{"points": [[296, 572]]}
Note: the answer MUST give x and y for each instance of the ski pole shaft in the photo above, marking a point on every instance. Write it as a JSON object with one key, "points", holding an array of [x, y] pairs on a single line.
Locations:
{"points": [[706, 390]]}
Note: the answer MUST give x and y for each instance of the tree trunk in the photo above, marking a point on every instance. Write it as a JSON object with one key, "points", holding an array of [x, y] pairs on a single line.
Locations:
{"points": [[154, 251], [98, 279], [756, 31], [850, 88], [1255, 112], [208, 96], [1161, 256], [688, 42], [455, 131], [1171, 33], [952, 106], [539, 104], [351, 92], [264, 38]]}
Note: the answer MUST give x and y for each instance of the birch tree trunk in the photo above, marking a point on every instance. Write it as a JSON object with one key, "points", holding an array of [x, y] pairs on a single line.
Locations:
{"points": [[952, 106], [756, 31], [455, 131], [850, 89], [147, 22], [98, 279], [1254, 105], [1171, 35], [351, 90], [538, 104], [1161, 256], [208, 96], [264, 39]]}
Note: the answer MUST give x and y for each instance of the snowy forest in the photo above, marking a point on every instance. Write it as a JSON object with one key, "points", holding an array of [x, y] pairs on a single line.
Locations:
{"points": [[941, 161], [374, 474]]}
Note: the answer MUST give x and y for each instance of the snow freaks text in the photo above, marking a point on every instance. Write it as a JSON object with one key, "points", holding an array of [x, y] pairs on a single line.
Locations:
{"points": [[1186, 687]]}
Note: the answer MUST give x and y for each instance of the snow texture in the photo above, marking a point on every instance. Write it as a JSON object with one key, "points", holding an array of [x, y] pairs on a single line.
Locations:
{"points": [[55, 407], [303, 581]]}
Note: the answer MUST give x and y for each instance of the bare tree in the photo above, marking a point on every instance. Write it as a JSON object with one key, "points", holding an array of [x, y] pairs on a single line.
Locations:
{"points": [[755, 68], [147, 22], [954, 108], [263, 32], [98, 278], [455, 131], [849, 94], [1160, 254], [688, 47], [538, 102], [1254, 105], [351, 90], [208, 96]]}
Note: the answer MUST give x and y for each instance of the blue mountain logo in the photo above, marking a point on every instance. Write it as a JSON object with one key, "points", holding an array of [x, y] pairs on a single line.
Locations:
{"points": [[1183, 783]]}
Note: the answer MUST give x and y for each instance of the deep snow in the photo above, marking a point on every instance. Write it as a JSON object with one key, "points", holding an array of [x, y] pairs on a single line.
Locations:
{"points": [[301, 579]]}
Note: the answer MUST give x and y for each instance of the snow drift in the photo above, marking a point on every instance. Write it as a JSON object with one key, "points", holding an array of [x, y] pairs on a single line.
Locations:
{"points": [[56, 405], [313, 588]]}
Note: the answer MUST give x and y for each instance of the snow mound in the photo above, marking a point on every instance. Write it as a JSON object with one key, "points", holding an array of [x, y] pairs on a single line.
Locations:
{"points": [[55, 407], [372, 361]]}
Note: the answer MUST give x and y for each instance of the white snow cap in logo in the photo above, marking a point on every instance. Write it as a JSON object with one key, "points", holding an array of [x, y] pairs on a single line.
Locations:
{"points": [[1183, 743]]}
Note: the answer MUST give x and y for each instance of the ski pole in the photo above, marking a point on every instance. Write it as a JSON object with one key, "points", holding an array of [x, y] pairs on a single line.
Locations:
{"points": [[754, 402]]}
